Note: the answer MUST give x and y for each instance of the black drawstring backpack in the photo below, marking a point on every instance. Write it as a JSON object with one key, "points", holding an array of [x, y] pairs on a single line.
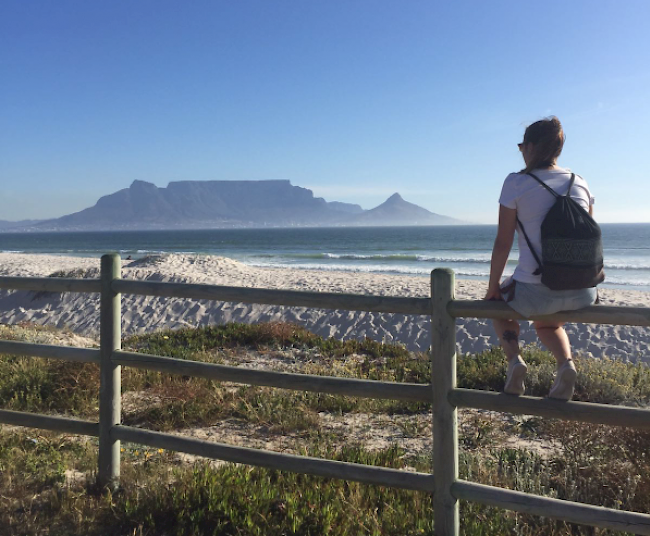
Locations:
{"points": [[572, 247]]}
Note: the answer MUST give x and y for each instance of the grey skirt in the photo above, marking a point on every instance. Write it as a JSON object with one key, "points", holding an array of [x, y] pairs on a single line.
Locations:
{"points": [[530, 299]]}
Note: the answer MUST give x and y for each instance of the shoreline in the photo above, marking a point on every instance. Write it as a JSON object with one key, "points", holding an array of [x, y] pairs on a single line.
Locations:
{"points": [[144, 314]]}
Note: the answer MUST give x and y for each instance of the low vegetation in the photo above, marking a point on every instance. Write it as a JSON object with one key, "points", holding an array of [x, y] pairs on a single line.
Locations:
{"points": [[75, 273], [47, 482]]}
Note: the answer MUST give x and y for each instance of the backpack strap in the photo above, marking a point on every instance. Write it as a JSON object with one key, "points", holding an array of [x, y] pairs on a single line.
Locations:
{"points": [[531, 248], [555, 194], [573, 178]]}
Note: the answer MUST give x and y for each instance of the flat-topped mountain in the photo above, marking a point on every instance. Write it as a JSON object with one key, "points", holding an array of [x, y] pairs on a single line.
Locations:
{"points": [[215, 204]]}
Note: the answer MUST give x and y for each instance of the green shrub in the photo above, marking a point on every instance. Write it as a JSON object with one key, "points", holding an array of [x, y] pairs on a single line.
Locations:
{"points": [[183, 342], [38, 385]]}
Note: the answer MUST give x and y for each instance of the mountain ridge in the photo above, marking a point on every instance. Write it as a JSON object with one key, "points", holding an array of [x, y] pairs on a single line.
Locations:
{"points": [[395, 211], [226, 204]]}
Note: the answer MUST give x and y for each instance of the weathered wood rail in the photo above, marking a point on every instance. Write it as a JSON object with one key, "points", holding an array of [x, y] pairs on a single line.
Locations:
{"points": [[442, 393]]}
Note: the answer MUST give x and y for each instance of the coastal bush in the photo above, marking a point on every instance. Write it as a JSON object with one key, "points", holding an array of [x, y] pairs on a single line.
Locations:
{"points": [[279, 412], [612, 381], [281, 335], [601, 465], [47, 385], [160, 493], [160, 496], [30, 462]]}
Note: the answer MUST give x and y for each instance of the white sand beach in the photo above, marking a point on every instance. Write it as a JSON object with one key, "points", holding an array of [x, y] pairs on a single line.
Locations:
{"points": [[80, 312]]}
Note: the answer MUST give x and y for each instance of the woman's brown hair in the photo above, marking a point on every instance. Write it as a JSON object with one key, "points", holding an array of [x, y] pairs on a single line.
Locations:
{"points": [[547, 138]]}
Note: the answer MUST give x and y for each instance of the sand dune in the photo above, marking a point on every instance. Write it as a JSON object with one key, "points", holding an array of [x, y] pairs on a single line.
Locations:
{"points": [[142, 313]]}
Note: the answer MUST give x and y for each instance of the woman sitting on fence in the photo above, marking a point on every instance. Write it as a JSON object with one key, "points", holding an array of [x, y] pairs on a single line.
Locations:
{"points": [[525, 200]]}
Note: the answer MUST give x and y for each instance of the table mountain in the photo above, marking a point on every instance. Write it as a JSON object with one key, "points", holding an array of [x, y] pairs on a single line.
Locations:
{"points": [[215, 204]]}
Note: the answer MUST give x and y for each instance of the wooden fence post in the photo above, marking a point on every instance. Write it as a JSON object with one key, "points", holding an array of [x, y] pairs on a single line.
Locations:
{"points": [[445, 425], [110, 403]]}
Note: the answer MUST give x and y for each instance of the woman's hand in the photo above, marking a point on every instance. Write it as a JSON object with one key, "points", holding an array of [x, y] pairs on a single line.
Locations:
{"points": [[493, 294]]}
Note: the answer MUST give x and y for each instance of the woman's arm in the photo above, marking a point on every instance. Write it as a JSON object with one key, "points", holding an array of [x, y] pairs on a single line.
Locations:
{"points": [[501, 250]]}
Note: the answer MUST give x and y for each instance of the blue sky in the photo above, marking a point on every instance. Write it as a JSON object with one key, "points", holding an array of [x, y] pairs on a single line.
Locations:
{"points": [[355, 99]]}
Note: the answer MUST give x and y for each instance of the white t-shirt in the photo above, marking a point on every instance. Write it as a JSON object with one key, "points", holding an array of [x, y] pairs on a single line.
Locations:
{"points": [[533, 201]]}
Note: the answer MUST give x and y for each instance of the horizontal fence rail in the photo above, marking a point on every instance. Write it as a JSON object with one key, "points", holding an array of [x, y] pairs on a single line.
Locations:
{"points": [[50, 284], [47, 422], [409, 392], [573, 512], [293, 298], [442, 392], [595, 314], [367, 474], [65, 353], [554, 409]]}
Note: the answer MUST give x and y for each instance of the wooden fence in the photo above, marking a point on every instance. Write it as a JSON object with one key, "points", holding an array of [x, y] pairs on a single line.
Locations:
{"points": [[444, 484]]}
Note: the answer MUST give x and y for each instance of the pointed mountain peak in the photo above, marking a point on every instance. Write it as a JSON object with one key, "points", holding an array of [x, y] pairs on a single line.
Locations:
{"points": [[396, 211], [394, 198]]}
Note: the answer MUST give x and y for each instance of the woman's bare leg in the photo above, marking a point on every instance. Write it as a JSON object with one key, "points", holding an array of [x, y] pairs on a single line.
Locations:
{"points": [[554, 337], [508, 333]]}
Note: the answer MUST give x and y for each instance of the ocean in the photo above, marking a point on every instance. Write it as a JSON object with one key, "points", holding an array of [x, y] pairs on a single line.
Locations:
{"points": [[386, 250]]}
